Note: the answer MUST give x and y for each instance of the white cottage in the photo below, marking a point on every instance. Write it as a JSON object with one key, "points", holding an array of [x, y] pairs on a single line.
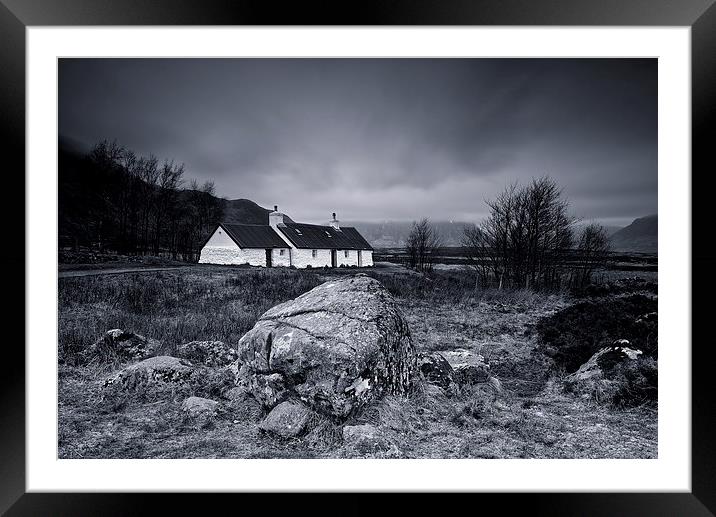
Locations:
{"points": [[285, 243]]}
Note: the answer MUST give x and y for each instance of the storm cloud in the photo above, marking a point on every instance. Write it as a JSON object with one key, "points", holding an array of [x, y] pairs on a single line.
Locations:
{"points": [[382, 139]]}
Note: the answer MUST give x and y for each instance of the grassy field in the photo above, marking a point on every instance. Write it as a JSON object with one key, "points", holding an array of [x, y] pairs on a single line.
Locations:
{"points": [[532, 418]]}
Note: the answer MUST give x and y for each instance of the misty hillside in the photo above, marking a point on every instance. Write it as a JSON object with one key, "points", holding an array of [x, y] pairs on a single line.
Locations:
{"points": [[245, 211], [641, 236]]}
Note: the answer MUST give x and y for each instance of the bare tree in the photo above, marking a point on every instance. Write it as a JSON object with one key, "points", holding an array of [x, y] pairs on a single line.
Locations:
{"points": [[523, 241], [169, 181], [592, 253], [422, 245], [479, 254]]}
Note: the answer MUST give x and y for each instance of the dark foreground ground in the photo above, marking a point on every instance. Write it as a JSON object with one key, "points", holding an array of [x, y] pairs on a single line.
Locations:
{"points": [[533, 417]]}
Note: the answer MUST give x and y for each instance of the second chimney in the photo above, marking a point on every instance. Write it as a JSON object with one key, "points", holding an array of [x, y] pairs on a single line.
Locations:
{"points": [[334, 223]]}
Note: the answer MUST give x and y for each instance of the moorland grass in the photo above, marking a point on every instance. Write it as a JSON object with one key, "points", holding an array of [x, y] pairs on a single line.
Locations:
{"points": [[444, 311], [174, 307]]}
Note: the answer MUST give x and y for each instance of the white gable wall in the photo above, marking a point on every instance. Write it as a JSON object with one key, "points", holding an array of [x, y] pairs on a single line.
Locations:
{"points": [[221, 249]]}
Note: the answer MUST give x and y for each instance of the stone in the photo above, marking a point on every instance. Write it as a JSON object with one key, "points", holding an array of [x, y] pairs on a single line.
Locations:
{"points": [[116, 344], [594, 375], [367, 440], [337, 347], [208, 353], [198, 406], [287, 420], [469, 367], [436, 370], [155, 370], [236, 393], [468, 374]]}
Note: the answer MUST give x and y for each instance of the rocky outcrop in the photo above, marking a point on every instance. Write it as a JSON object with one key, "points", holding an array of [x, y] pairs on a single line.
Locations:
{"points": [[208, 353], [336, 347], [287, 420], [118, 345]]}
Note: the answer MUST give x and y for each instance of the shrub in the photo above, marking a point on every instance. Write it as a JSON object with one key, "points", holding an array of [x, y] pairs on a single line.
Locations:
{"points": [[572, 335]]}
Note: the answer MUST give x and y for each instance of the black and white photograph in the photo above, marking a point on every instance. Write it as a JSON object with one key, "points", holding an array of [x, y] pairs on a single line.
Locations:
{"points": [[340, 258]]}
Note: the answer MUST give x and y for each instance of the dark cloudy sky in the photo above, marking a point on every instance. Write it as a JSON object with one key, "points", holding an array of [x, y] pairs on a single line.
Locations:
{"points": [[376, 139]]}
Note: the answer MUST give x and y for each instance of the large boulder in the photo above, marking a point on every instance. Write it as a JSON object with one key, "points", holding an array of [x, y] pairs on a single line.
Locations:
{"points": [[336, 347], [119, 345], [208, 353]]}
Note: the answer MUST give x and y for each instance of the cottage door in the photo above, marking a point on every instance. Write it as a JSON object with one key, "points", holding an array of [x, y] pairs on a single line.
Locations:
{"points": [[360, 258], [268, 258], [334, 258]]}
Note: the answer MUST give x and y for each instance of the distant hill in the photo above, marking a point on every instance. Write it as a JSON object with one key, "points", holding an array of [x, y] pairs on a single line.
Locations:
{"points": [[640, 236]]}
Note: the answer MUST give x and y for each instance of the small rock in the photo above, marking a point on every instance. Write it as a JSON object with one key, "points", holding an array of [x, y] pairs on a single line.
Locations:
{"points": [[367, 439], [469, 367], [116, 344], [236, 393], [595, 374], [161, 369], [472, 373], [436, 370], [287, 420], [208, 353], [269, 389], [198, 406]]}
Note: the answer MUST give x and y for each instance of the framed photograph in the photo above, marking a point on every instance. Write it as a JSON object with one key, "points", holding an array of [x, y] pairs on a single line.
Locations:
{"points": [[445, 249]]}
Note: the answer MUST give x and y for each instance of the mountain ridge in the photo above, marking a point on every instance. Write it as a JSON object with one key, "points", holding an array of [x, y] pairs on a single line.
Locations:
{"points": [[641, 235]]}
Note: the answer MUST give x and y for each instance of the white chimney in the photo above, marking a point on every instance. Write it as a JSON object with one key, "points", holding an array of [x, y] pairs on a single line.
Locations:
{"points": [[275, 217], [334, 223]]}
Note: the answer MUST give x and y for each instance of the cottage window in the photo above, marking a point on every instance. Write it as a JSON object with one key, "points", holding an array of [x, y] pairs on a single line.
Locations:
{"points": [[280, 252], [346, 253], [314, 253]]}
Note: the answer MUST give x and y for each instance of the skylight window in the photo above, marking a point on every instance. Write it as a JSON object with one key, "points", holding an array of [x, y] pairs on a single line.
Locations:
{"points": [[298, 231], [327, 233]]}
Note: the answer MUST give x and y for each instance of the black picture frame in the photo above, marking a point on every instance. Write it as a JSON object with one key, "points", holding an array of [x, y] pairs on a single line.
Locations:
{"points": [[17, 15]]}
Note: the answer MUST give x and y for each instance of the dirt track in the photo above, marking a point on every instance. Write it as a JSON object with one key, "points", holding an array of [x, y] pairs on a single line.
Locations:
{"points": [[117, 271]]}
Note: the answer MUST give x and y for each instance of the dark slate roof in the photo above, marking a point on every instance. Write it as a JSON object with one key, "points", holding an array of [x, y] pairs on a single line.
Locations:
{"points": [[254, 235], [314, 236]]}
